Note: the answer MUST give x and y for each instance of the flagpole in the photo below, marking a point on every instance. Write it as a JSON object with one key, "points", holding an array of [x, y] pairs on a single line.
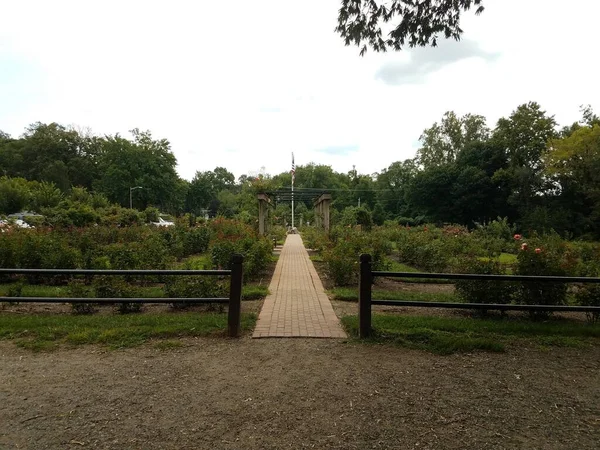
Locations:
{"points": [[293, 176]]}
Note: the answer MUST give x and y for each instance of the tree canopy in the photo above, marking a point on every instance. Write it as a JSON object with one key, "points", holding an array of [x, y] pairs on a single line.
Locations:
{"points": [[412, 22]]}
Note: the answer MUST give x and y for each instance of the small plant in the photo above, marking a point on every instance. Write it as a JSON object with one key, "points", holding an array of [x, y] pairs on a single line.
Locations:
{"points": [[16, 290], [78, 289], [544, 258], [117, 287], [194, 287], [589, 295], [480, 291]]}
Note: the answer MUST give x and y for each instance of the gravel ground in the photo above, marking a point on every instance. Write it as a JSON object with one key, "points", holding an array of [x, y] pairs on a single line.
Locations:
{"points": [[297, 393]]}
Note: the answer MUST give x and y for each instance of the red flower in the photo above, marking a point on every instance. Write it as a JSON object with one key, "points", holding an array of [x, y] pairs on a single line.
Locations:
{"points": [[524, 246], [538, 250], [517, 237]]}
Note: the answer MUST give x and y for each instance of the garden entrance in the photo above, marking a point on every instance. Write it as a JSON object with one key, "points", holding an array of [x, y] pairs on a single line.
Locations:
{"points": [[321, 203]]}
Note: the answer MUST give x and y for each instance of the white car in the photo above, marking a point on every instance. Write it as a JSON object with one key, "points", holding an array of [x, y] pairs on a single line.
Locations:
{"points": [[163, 223]]}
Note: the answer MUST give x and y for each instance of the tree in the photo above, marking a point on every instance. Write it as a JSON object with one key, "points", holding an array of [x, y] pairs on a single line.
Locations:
{"points": [[14, 195], [393, 184], [524, 137], [144, 162], [205, 188], [422, 22], [443, 142], [430, 193], [588, 118], [574, 162]]}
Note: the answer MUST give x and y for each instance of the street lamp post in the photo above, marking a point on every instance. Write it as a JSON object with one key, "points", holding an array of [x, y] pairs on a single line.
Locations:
{"points": [[131, 189]]}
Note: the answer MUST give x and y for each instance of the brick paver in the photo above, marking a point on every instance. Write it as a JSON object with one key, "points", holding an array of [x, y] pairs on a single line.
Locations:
{"points": [[297, 305]]}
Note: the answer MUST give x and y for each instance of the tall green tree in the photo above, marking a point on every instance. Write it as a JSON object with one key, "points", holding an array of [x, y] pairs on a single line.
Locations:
{"points": [[142, 161], [524, 136], [442, 143], [393, 184]]}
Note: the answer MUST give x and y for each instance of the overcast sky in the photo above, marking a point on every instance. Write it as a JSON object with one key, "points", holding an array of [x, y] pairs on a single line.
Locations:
{"points": [[242, 84]]}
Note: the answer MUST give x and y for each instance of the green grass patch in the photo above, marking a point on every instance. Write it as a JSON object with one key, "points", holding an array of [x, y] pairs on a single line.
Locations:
{"points": [[446, 335], [503, 258], [202, 261], [45, 332], [254, 292], [351, 295], [316, 258]]}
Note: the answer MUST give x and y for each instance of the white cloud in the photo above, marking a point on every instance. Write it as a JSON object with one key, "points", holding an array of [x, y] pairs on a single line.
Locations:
{"points": [[243, 84]]}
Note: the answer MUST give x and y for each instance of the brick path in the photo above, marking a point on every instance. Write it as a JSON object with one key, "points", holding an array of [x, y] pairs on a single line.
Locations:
{"points": [[297, 305]]}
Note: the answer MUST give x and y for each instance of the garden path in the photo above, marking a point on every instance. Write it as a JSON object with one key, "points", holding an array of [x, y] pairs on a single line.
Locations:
{"points": [[297, 305]]}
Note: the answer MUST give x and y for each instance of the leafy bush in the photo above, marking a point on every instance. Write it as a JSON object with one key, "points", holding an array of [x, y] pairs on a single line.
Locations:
{"points": [[341, 257], [77, 289], [195, 287], [196, 240], [221, 253], [424, 250], [479, 291], [117, 287], [589, 295], [546, 258], [151, 214]]}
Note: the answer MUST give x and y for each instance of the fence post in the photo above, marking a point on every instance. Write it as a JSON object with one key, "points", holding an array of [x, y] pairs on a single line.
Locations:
{"points": [[364, 296], [235, 296]]}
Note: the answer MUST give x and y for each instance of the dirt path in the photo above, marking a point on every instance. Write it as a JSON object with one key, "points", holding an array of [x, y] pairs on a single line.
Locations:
{"points": [[297, 393]]}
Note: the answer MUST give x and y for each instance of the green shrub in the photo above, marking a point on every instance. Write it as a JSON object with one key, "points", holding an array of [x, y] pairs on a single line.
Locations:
{"points": [[16, 290], [544, 257], [221, 253], [347, 244], [479, 291], [589, 295], [123, 256], [77, 289], [151, 214], [117, 287], [195, 287], [196, 240]]}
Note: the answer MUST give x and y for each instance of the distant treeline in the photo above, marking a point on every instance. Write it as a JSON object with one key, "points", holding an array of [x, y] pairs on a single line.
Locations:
{"points": [[526, 168]]}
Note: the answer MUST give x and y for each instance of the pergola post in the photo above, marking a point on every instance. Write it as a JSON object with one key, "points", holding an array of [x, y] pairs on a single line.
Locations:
{"points": [[263, 201], [322, 211]]}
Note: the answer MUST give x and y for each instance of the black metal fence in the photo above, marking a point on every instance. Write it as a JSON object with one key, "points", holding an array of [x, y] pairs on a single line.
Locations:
{"points": [[367, 275], [234, 300]]}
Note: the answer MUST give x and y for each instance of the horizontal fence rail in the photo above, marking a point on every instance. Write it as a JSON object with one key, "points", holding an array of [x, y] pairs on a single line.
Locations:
{"points": [[476, 276], [365, 299], [111, 272], [234, 300]]}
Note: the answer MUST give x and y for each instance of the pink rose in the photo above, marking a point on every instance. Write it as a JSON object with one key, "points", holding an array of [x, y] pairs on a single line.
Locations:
{"points": [[538, 250], [524, 246], [518, 237]]}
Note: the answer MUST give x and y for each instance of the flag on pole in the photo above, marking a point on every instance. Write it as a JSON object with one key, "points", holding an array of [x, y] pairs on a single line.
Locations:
{"points": [[293, 167]]}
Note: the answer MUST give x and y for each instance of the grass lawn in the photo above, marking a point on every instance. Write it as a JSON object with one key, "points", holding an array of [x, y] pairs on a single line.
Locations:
{"points": [[351, 294], [46, 332], [507, 259], [446, 335]]}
